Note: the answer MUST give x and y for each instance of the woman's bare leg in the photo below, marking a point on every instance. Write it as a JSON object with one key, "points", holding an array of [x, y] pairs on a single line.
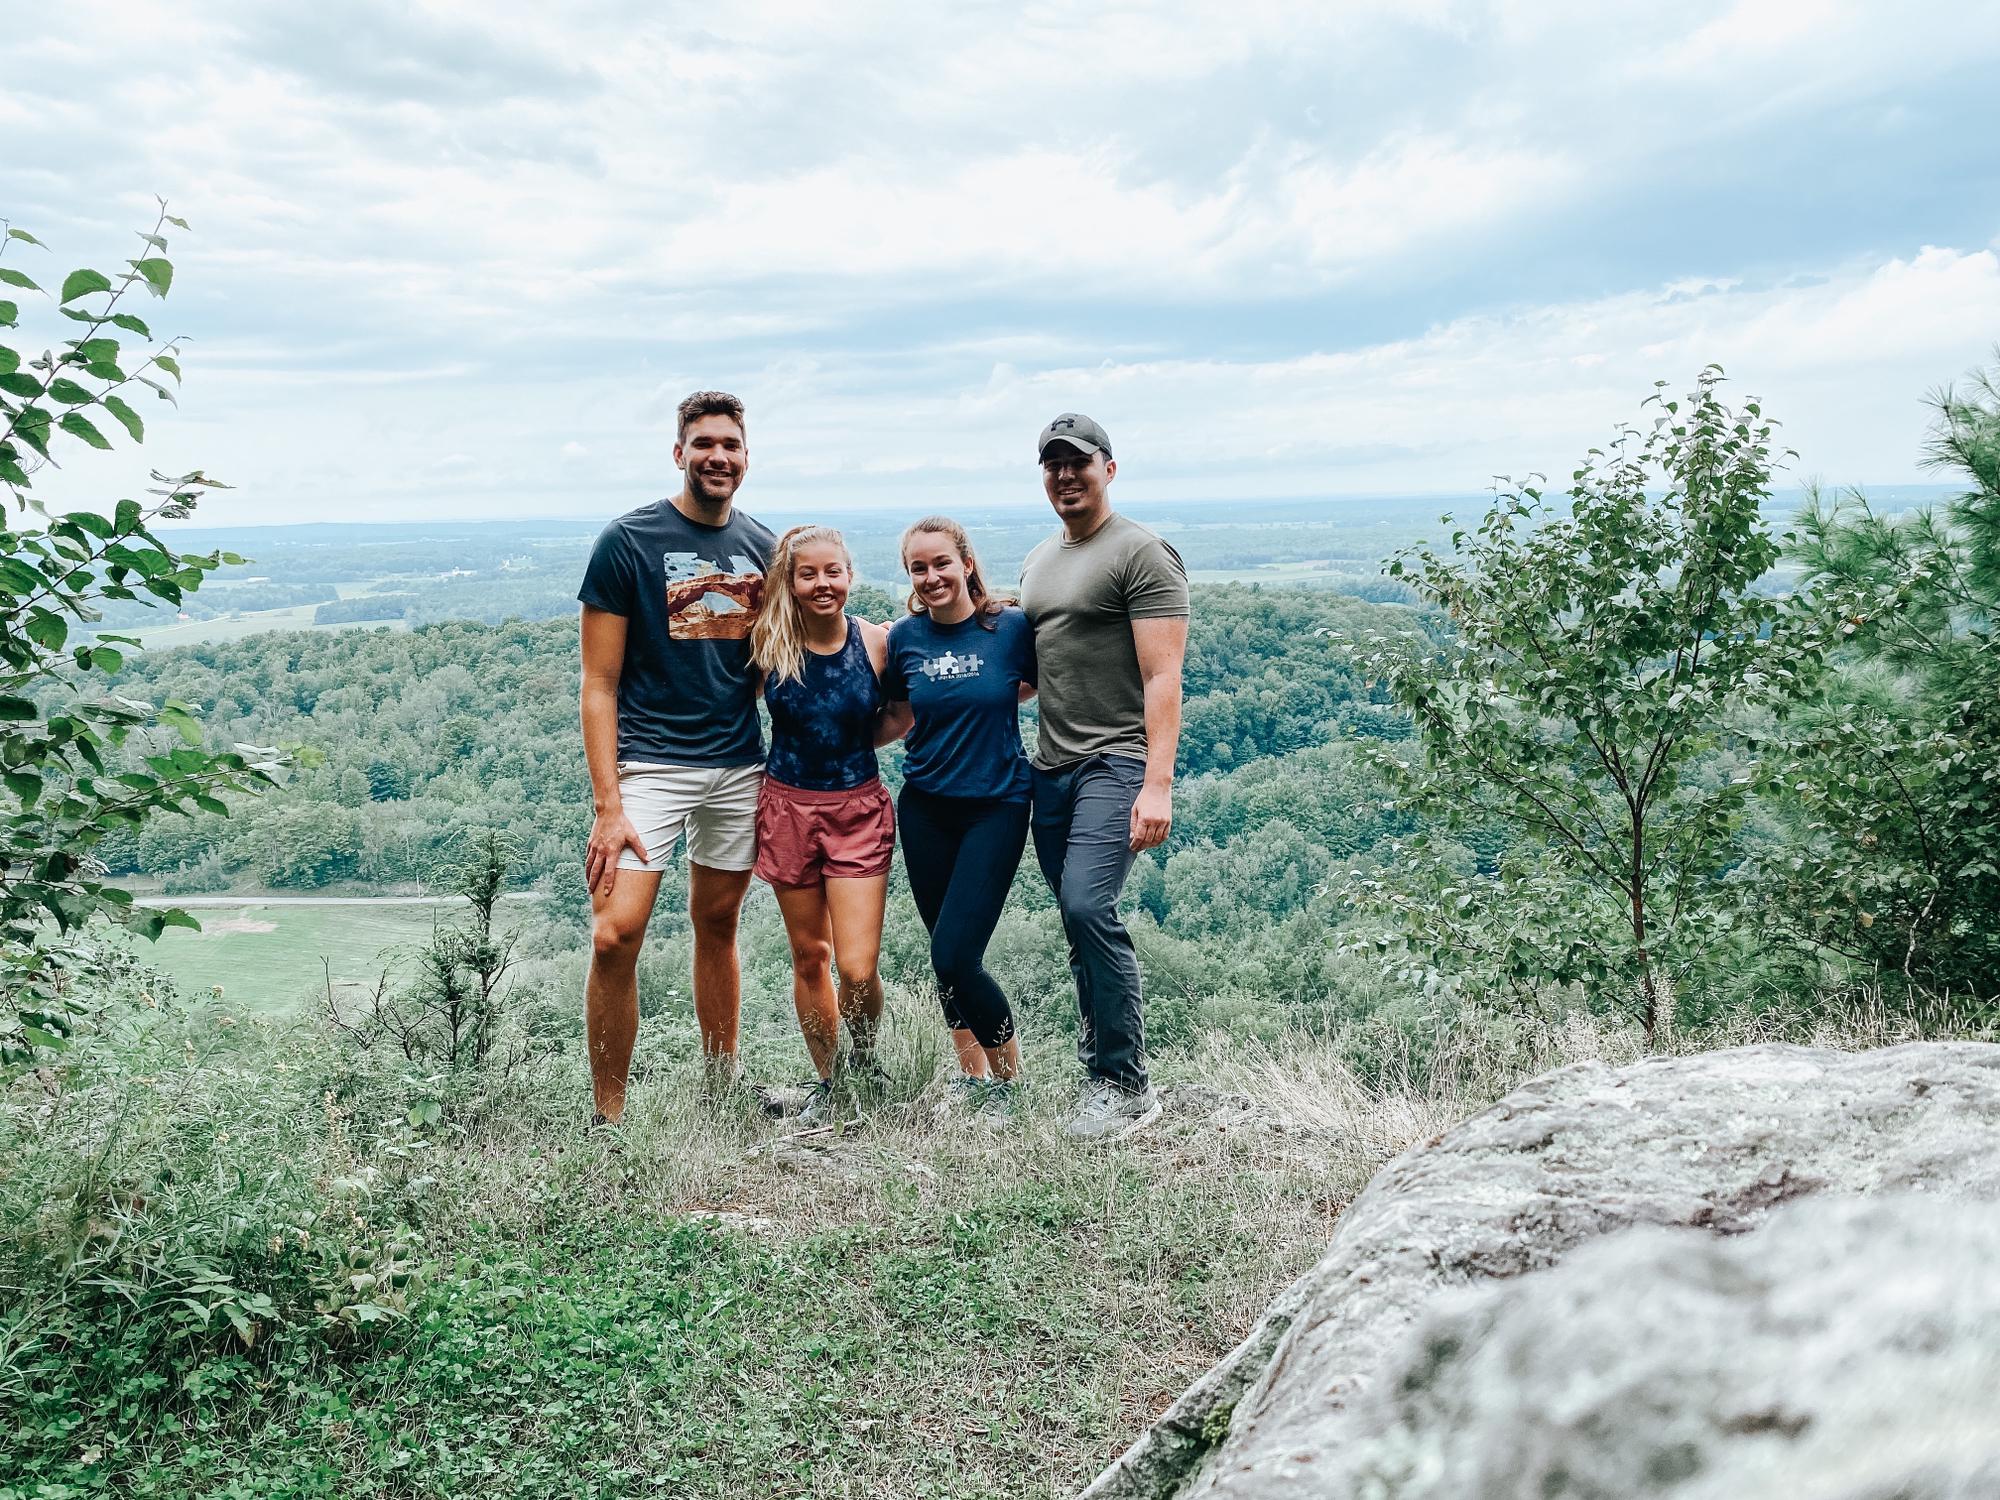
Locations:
{"points": [[805, 912]]}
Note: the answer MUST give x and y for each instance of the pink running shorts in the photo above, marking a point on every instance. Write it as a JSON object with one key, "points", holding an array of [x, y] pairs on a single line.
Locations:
{"points": [[806, 837]]}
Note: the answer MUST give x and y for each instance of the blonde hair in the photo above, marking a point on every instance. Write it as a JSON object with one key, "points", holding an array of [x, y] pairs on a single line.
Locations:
{"points": [[778, 634], [984, 604]]}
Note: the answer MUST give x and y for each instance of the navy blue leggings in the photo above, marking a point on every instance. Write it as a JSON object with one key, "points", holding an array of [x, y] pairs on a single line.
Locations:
{"points": [[961, 854]]}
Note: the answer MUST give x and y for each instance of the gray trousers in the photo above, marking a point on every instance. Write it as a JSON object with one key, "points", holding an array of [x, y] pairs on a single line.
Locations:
{"points": [[1083, 842]]}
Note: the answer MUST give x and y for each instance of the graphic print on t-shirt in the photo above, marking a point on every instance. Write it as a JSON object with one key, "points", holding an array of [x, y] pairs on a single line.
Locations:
{"points": [[951, 666], [705, 603]]}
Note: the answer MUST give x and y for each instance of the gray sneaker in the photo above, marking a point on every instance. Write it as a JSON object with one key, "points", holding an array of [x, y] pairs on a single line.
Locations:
{"points": [[994, 1106], [818, 1108], [961, 1094], [1108, 1113]]}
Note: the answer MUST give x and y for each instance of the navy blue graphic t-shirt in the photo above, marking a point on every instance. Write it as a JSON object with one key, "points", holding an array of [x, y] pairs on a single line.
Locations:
{"points": [[688, 592], [961, 682]]}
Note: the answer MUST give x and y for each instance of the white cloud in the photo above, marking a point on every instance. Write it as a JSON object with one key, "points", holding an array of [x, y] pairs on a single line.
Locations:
{"points": [[1428, 241]]}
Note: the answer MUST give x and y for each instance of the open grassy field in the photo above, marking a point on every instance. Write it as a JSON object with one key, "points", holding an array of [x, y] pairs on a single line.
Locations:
{"points": [[238, 627], [268, 957]]}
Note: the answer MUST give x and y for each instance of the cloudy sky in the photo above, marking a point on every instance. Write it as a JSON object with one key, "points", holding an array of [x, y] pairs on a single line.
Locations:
{"points": [[457, 258]]}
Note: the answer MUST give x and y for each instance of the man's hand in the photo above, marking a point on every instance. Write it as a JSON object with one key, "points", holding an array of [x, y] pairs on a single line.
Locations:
{"points": [[610, 834], [1152, 817]]}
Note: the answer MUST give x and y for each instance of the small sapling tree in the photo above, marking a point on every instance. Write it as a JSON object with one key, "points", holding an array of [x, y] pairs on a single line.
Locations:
{"points": [[452, 1012], [1604, 639], [77, 760]]}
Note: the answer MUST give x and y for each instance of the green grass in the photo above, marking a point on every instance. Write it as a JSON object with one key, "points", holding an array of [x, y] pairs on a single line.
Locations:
{"points": [[703, 1304], [268, 958]]}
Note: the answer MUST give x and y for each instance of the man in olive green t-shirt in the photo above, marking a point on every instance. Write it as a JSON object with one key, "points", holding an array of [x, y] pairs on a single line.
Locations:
{"points": [[1109, 604]]}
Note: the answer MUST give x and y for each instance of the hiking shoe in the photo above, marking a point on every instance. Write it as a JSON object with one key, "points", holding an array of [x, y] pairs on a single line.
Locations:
{"points": [[962, 1093], [864, 1069], [994, 1107], [1107, 1112], [723, 1085], [819, 1107]]}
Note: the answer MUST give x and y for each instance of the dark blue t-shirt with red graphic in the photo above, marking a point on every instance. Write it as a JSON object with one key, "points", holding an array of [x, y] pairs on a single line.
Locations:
{"points": [[688, 592], [962, 683]]}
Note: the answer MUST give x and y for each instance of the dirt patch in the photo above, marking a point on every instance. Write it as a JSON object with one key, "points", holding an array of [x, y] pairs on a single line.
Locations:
{"points": [[240, 924]]}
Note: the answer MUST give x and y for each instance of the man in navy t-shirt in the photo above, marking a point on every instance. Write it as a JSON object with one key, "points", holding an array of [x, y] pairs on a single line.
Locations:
{"points": [[671, 736]]}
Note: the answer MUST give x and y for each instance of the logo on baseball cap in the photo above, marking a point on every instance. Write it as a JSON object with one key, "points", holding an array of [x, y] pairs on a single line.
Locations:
{"points": [[1077, 430]]}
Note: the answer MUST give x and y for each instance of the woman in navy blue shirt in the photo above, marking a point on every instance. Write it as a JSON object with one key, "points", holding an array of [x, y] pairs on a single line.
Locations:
{"points": [[959, 666]]}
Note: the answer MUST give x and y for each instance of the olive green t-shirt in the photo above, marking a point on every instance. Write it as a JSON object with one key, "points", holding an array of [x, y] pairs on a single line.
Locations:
{"points": [[1082, 598]]}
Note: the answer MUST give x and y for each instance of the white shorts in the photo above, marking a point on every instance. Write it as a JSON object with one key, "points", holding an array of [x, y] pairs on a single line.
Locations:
{"points": [[716, 805]]}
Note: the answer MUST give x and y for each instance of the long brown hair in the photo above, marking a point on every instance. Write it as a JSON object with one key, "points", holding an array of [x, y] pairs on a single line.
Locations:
{"points": [[778, 635], [985, 604]]}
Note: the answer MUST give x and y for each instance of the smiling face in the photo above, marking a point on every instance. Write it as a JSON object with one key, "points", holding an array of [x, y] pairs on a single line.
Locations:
{"points": [[937, 573], [821, 579], [1077, 486], [715, 458]]}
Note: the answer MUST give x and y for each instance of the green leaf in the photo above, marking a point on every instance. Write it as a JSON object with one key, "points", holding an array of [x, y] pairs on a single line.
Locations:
{"points": [[25, 237], [17, 384], [16, 710], [158, 242], [14, 278], [118, 408], [171, 365], [31, 426], [17, 578], [70, 393], [12, 472], [179, 719], [46, 629], [96, 349], [129, 517], [174, 917], [26, 785], [177, 223], [106, 659], [9, 360], [159, 273], [77, 426], [10, 314], [131, 324], [81, 283]]}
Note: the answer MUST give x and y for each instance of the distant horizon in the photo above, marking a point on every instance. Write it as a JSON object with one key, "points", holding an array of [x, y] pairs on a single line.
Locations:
{"points": [[1912, 493]]}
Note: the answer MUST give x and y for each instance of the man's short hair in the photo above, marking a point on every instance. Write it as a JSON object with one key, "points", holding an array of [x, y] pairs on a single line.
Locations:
{"points": [[710, 404]]}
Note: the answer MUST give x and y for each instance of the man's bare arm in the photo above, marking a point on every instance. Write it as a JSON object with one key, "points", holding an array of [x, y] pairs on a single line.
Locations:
{"points": [[1162, 648], [603, 664]]}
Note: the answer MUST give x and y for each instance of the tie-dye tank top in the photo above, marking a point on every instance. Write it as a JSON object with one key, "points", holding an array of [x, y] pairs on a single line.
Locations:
{"points": [[823, 722]]}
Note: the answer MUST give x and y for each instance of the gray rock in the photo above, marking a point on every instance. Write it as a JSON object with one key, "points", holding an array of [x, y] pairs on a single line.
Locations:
{"points": [[1708, 1143], [1849, 1348]]}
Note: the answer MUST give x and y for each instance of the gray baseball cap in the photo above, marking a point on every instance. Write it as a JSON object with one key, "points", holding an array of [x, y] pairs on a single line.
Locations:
{"points": [[1078, 431]]}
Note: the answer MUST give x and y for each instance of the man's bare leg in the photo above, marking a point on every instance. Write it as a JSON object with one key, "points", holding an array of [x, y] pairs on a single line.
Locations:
{"points": [[611, 994], [715, 901]]}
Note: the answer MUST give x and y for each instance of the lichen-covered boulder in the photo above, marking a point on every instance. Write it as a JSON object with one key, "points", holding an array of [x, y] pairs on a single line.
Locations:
{"points": [[1710, 1143], [1850, 1348]]}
